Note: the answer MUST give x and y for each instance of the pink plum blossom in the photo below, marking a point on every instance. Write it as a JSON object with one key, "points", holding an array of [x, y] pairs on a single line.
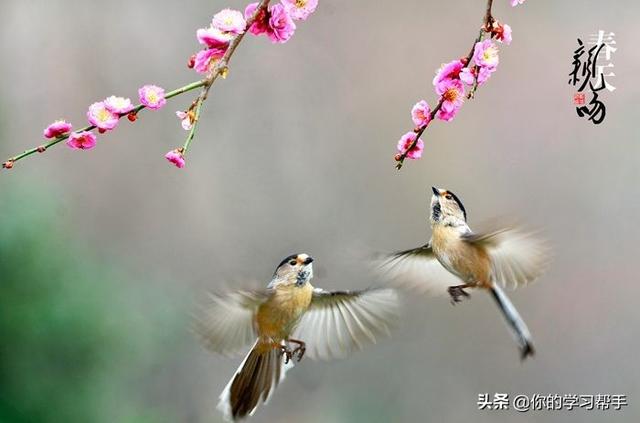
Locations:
{"points": [[101, 117], [421, 113], [449, 70], [281, 26], [152, 96], [214, 37], [261, 24], [503, 34], [485, 54], [57, 128], [204, 59], [468, 76], [484, 74], [447, 116], [185, 120], [516, 2], [118, 105], [229, 21], [175, 157], [300, 10], [81, 140], [452, 93], [405, 143]]}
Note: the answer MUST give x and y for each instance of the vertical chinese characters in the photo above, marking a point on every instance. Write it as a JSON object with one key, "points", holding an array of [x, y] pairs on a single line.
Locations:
{"points": [[588, 70]]}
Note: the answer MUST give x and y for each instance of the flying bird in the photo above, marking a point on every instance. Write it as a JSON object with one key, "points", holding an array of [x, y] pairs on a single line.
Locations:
{"points": [[285, 321], [456, 259]]}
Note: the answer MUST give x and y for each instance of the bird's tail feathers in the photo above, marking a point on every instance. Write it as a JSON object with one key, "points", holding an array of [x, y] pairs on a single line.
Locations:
{"points": [[254, 381], [517, 326]]}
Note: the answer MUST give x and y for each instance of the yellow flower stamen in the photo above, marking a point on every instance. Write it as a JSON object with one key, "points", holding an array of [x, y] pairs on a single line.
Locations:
{"points": [[450, 95], [104, 115]]}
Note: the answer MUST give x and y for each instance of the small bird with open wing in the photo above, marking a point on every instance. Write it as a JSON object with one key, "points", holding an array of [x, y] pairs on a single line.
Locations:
{"points": [[483, 260], [290, 311]]}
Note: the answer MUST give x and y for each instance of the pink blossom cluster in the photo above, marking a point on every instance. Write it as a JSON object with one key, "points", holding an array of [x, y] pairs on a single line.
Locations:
{"points": [[225, 26], [449, 84], [277, 23], [450, 81], [421, 116], [105, 116]]}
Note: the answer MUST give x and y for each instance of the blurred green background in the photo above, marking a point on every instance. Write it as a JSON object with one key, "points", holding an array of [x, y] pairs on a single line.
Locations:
{"points": [[78, 341], [105, 253]]}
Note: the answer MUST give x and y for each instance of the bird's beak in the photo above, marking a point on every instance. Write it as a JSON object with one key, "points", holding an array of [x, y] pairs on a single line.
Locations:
{"points": [[435, 190]]}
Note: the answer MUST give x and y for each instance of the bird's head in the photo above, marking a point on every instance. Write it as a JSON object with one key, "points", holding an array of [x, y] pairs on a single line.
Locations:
{"points": [[446, 208], [295, 269]]}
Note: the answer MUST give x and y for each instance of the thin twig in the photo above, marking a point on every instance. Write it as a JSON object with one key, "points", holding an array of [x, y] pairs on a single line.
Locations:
{"points": [[487, 23]]}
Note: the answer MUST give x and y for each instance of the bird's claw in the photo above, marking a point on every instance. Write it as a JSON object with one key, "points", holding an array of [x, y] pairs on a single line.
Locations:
{"points": [[299, 351], [288, 354], [456, 293]]}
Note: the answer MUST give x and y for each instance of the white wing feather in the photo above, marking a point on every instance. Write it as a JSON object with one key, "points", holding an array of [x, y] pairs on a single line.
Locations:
{"points": [[338, 323]]}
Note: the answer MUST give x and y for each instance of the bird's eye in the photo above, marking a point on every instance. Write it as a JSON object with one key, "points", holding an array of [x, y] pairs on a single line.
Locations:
{"points": [[292, 262], [448, 196]]}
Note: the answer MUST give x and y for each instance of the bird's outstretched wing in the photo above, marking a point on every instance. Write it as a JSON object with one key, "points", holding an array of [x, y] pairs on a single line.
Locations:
{"points": [[517, 257], [340, 322], [417, 269], [226, 324]]}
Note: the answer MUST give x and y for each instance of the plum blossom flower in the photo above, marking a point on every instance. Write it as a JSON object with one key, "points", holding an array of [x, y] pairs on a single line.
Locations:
{"points": [[185, 119], [175, 157], [118, 105], [468, 76], [281, 26], [214, 37], [485, 54], [57, 128], [152, 96], [81, 140], [484, 74], [229, 21], [300, 10], [205, 58], [516, 2], [421, 113], [101, 117], [261, 24], [452, 93], [405, 143], [449, 70], [503, 33]]}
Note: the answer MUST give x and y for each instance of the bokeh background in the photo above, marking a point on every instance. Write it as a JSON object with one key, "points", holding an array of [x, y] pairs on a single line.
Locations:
{"points": [[105, 254]]}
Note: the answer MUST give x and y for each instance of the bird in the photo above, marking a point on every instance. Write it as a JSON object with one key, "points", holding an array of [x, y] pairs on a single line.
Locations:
{"points": [[457, 259], [285, 321]]}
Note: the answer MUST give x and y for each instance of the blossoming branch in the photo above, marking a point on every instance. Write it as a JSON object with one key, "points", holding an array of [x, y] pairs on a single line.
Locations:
{"points": [[450, 82], [219, 40]]}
